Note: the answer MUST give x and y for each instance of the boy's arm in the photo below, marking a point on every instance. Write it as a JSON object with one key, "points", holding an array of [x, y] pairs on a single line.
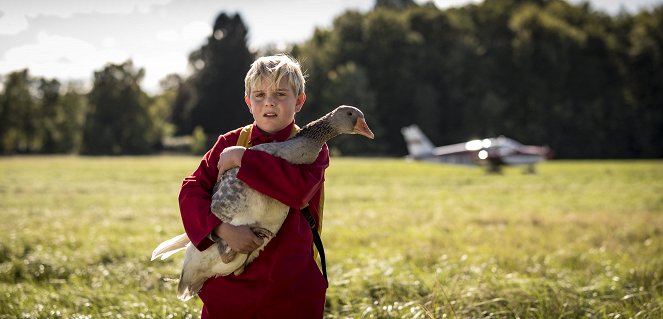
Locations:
{"points": [[293, 185], [195, 198]]}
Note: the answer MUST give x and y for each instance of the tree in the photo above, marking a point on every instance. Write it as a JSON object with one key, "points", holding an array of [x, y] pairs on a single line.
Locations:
{"points": [[322, 55], [160, 112], [181, 96], [390, 69], [49, 93], [18, 114], [118, 118], [573, 94], [70, 120], [221, 66], [449, 69], [586, 83], [645, 82], [36, 117], [394, 4], [349, 85]]}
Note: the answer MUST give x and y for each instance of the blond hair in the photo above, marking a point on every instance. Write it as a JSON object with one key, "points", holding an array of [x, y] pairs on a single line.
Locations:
{"points": [[273, 69]]}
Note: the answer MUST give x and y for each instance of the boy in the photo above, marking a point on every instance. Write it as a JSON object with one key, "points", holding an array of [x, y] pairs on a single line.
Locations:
{"points": [[284, 281]]}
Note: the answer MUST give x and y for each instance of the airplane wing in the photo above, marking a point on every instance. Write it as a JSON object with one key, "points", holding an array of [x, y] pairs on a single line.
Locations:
{"points": [[420, 148], [456, 154]]}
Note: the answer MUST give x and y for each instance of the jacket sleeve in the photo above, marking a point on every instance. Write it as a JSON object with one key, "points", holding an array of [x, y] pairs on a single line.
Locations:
{"points": [[196, 196], [293, 185]]}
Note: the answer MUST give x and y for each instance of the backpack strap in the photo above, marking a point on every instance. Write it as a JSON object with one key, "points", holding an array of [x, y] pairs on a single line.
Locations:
{"points": [[245, 136], [317, 241]]}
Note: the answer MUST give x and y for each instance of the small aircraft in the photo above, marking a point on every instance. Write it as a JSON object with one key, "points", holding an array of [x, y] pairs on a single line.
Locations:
{"points": [[490, 152]]}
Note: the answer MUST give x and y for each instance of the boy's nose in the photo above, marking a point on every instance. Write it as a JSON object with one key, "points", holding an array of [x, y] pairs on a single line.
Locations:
{"points": [[270, 101]]}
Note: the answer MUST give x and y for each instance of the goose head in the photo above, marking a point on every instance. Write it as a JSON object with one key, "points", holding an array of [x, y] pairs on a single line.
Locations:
{"points": [[349, 120]]}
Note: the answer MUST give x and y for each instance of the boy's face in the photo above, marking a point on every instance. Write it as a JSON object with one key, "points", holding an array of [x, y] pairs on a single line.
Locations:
{"points": [[273, 108]]}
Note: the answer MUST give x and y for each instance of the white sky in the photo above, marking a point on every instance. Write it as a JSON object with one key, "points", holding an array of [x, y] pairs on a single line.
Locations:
{"points": [[70, 39]]}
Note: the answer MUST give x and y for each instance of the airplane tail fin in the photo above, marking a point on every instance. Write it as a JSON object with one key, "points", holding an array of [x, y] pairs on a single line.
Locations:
{"points": [[418, 145]]}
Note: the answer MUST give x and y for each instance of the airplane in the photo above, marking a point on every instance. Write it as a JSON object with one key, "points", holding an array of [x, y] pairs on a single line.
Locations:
{"points": [[494, 153]]}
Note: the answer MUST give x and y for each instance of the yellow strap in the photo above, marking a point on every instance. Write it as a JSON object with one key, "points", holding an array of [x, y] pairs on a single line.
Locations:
{"points": [[245, 136]]}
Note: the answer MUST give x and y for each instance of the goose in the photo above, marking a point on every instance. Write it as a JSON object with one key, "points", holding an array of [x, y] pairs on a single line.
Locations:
{"points": [[236, 203]]}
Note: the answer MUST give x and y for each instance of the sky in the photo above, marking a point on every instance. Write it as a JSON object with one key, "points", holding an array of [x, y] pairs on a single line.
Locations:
{"points": [[71, 39]]}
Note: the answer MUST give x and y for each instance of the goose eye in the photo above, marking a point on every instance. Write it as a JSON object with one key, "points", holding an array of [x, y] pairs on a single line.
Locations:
{"points": [[349, 113]]}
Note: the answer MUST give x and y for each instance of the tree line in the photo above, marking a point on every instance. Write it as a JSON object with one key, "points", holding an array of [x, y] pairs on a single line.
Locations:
{"points": [[585, 83]]}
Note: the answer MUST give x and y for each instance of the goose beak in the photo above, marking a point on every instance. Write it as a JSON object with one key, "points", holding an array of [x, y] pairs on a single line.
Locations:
{"points": [[362, 128]]}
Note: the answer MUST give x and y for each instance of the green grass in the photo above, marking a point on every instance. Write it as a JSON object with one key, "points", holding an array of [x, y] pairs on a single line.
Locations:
{"points": [[580, 239]]}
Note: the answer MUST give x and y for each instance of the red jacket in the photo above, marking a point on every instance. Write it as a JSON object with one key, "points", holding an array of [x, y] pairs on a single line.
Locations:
{"points": [[284, 281]]}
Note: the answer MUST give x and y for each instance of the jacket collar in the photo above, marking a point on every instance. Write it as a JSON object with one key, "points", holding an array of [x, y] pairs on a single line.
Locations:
{"points": [[259, 137]]}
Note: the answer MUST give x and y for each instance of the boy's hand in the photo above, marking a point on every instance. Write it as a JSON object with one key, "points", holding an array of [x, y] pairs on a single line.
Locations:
{"points": [[229, 158], [240, 238]]}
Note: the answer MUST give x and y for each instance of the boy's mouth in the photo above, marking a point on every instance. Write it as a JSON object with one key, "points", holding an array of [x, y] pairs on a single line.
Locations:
{"points": [[269, 115]]}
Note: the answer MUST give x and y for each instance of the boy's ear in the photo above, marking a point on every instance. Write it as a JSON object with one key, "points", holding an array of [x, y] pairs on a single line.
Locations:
{"points": [[248, 103], [300, 102]]}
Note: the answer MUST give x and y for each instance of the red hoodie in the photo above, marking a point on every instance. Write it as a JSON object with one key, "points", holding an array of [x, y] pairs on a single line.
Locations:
{"points": [[284, 281]]}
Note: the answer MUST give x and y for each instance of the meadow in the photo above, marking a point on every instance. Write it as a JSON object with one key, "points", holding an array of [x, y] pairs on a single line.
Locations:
{"points": [[580, 239]]}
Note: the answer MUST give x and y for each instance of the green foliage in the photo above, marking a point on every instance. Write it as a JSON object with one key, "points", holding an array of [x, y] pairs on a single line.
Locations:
{"points": [[50, 94], [120, 119], [17, 114], [160, 112], [543, 72], [587, 84], [348, 84], [403, 239], [218, 82], [38, 116], [645, 85], [181, 95], [199, 141]]}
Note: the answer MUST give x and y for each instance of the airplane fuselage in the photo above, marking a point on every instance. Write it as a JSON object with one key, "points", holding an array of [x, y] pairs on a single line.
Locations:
{"points": [[490, 152]]}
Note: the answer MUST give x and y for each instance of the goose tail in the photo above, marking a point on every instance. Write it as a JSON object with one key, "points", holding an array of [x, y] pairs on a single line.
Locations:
{"points": [[186, 290], [170, 247], [194, 272]]}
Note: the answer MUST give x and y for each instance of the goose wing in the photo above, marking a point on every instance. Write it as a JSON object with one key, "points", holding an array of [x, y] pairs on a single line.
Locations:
{"points": [[230, 196]]}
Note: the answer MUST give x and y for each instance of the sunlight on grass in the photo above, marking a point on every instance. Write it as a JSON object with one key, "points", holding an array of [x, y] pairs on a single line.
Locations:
{"points": [[403, 239]]}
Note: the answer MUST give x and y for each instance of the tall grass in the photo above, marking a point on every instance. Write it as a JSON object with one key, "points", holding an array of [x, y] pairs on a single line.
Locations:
{"points": [[403, 239]]}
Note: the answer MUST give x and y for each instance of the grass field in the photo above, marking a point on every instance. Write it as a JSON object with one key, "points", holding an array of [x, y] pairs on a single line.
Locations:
{"points": [[580, 239]]}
